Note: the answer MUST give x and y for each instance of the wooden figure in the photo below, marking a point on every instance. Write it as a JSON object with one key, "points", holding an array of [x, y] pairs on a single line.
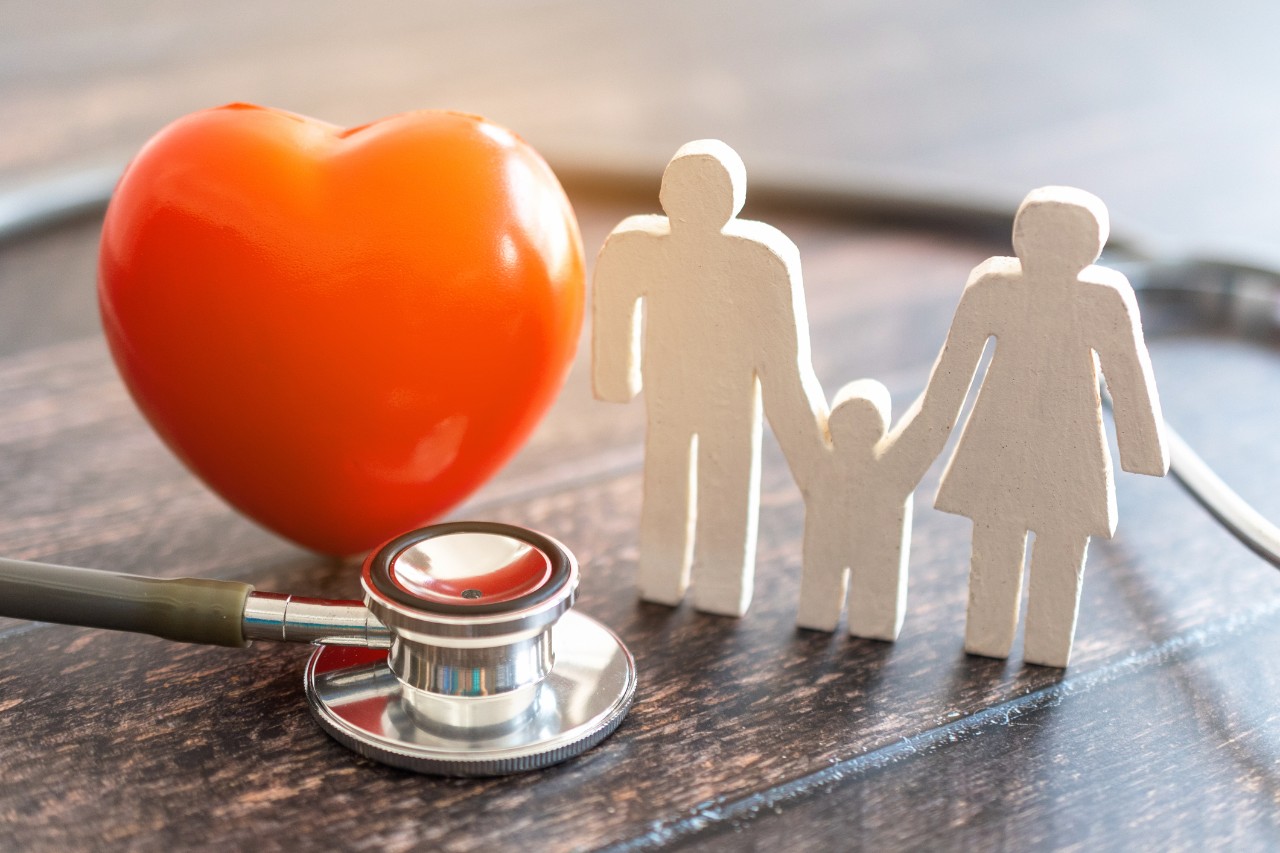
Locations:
{"points": [[1033, 456], [724, 326], [857, 527]]}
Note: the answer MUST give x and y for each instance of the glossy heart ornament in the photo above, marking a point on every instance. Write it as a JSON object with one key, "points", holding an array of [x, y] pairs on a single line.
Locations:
{"points": [[342, 332]]}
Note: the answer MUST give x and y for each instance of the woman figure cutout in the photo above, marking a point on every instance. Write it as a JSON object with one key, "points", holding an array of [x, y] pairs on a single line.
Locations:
{"points": [[1033, 456]]}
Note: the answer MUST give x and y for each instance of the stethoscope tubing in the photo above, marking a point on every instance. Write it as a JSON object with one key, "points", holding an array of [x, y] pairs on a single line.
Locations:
{"points": [[819, 189]]}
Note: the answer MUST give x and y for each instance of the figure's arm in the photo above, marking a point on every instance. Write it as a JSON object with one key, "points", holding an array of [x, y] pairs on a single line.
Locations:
{"points": [[910, 447], [793, 398], [1126, 365], [919, 436], [618, 286]]}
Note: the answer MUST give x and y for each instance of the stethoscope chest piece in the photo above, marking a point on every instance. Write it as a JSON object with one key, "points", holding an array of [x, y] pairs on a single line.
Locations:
{"points": [[489, 671]]}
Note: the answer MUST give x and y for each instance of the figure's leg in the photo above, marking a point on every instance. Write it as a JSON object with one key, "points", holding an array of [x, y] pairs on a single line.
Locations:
{"points": [[1057, 572], [668, 514], [824, 578], [728, 498], [995, 589], [878, 592]]}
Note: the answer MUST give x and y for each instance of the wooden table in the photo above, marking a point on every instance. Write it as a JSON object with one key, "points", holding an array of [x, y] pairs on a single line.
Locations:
{"points": [[745, 734]]}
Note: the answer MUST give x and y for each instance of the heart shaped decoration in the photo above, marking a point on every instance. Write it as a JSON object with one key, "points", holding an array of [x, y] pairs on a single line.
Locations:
{"points": [[342, 332]]}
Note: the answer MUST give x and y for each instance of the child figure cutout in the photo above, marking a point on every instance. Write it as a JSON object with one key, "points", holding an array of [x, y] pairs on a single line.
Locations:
{"points": [[724, 326], [857, 524], [1033, 456]]}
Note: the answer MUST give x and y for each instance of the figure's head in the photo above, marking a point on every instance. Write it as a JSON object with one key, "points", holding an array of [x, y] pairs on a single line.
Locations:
{"points": [[1060, 229], [860, 414], [704, 185]]}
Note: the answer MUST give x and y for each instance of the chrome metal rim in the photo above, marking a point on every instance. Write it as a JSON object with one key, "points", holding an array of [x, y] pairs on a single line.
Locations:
{"points": [[356, 698]]}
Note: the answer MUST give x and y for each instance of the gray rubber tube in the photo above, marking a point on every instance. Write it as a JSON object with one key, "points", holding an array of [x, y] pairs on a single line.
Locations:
{"points": [[189, 610]]}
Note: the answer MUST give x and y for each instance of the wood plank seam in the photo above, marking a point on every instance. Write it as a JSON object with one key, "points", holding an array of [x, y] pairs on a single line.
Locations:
{"points": [[715, 816]]}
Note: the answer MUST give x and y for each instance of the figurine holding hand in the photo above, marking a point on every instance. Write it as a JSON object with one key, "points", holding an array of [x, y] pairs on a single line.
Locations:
{"points": [[858, 507]]}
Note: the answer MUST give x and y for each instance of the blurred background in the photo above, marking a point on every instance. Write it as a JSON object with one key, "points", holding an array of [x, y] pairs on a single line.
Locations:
{"points": [[1167, 111]]}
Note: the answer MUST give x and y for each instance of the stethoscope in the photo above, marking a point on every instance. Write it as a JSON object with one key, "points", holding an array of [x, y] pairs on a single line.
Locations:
{"points": [[464, 657]]}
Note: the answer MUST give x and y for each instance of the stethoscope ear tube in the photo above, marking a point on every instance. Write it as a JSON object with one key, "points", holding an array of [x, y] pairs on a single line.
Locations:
{"points": [[1239, 300], [188, 610], [1219, 500]]}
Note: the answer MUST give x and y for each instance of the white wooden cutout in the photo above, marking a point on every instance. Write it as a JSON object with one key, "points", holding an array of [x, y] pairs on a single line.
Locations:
{"points": [[724, 333], [1032, 457], [858, 503]]}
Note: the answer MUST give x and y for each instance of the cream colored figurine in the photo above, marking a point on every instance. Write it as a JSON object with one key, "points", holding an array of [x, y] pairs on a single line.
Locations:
{"points": [[724, 331], [724, 323], [857, 526], [1033, 456]]}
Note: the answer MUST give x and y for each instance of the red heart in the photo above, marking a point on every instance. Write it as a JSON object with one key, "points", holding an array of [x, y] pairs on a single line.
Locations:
{"points": [[343, 332]]}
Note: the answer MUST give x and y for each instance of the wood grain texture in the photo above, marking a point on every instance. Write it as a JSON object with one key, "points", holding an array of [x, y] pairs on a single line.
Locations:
{"points": [[115, 741], [1122, 755], [745, 734]]}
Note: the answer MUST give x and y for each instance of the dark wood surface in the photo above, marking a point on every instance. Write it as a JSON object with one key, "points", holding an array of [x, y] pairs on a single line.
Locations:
{"points": [[746, 734]]}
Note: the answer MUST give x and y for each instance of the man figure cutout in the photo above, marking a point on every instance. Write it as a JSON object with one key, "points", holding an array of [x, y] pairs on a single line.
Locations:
{"points": [[724, 325]]}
